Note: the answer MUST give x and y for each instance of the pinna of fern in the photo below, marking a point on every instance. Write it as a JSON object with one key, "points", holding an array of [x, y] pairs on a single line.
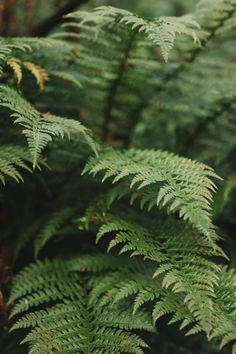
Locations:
{"points": [[39, 129], [38, 57], [13, 157]]}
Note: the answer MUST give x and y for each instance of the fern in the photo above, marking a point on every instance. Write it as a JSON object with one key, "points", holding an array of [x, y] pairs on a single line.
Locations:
{"points": [[84, 326], [39, 129], [162, 179], [13, 157], [122, 282], [131, 242], [111, 70], [182, 260]]}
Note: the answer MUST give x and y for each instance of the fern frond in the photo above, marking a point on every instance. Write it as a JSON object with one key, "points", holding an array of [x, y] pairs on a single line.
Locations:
{"points": [[12, 157], [120, 279], [161, 31], [225, 308], [39, 129], [182, 265], [73, 323], [162, 179], [26, 235], [64, 75]]}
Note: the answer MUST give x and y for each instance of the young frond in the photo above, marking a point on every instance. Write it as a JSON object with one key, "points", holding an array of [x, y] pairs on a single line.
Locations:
{"points": [[40, 129], [162, 179], [72, 323]]}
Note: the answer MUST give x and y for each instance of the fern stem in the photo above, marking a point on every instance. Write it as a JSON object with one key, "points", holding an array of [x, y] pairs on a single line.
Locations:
{"points": [[114, 88]]}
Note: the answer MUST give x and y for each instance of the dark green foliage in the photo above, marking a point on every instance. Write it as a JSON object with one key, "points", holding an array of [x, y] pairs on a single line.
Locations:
{"points": [[118, 239]]}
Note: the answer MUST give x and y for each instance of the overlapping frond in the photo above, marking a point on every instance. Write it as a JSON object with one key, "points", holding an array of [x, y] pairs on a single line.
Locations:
{"points": [[162, 179], [114, 281], [73, 323], [182, 260], [184, 101]]}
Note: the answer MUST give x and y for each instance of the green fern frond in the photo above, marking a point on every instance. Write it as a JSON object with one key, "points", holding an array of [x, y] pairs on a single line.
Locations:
{"points": [[13, 157], [225, 308], [72, 323], [182, 265], [40, 129], [52, 227], [214, 11], [161, 31], [162, 179], [119, 279], [26, 235], [64, 75]]}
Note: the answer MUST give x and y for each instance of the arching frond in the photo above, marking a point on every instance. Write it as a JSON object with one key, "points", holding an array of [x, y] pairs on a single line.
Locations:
{"points": [[162, 179], [39, 129], [160, 31]]}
